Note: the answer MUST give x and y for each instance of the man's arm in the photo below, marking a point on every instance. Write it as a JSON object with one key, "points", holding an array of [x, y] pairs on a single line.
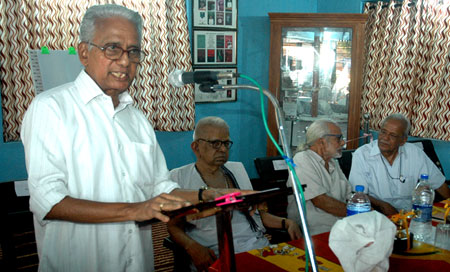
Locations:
{"points": [[86, 211], [207, 195], [330, 205], [201, 256], [272, 221], [444, 191], [383, 207]]}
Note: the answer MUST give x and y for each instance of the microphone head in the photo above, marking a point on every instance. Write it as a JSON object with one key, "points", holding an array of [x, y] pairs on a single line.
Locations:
{"points": [[176, 78]]}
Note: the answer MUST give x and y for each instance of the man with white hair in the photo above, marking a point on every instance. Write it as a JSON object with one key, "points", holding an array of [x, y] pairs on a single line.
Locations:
{"points": [[94, 164], [390, 167], [327, 188], [211, 145]]}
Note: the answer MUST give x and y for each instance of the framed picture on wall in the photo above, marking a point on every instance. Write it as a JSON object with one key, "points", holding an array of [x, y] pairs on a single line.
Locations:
{"points": [[219, 96], [214, 47], [214, 13]]}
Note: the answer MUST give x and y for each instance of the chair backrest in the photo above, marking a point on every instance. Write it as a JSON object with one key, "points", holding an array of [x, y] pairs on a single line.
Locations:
{"points": [[272, 173], [345, 162], [271, 169]]}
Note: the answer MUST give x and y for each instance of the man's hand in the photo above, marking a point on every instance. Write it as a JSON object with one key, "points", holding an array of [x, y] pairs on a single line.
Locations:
{"points": [[201, 256], [152, 208], [293, 229], [382, 206], [387, 209]]}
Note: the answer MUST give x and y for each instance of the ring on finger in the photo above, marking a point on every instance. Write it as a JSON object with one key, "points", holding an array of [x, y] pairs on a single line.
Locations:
{"points": [[161, 206]]}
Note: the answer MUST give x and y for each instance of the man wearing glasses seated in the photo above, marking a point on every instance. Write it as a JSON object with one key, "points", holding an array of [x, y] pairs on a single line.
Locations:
{"points": [[211, 145], [390, 167], [327, 188]]}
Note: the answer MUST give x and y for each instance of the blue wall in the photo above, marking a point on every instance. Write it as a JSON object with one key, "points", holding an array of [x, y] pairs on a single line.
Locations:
{"points": [[244, 115], [346, 6]]}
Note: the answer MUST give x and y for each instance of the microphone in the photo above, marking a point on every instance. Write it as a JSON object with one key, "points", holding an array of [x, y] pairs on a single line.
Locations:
{"points": [[178, 78]]}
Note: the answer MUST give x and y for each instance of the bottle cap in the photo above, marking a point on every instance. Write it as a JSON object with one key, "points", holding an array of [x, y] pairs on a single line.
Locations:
{"points": [[359, 188], [423, 176]]}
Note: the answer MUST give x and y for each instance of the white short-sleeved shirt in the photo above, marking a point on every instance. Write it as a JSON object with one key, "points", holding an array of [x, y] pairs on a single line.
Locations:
{"points": [[205, 231], [310, 169], [371, 169], [77, 144]]}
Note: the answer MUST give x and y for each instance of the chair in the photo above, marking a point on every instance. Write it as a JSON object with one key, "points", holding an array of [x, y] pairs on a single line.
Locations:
{"points": [[17, 239], [345, 162], [181, 260], [273, 173], [428, 148]]}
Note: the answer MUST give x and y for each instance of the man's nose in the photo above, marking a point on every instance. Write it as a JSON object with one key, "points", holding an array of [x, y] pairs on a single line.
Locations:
{"points": [[124, 59], [223, 147]]}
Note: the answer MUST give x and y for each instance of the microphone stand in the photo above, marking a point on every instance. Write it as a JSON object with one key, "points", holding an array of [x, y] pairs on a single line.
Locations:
{"points": [[279, 119], [366, 117]]}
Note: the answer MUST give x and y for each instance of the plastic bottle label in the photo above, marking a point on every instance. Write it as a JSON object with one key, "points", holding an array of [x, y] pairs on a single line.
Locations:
{"points": [[426, 210], [355, 209]]}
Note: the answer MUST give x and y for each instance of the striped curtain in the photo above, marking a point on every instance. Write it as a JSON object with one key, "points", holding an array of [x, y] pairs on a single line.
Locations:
{"points": [[31, 24], [407, 67]]}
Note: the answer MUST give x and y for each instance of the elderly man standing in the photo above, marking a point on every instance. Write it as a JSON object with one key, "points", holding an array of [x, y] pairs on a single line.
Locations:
{"points": [[390, 167], [94, 165], [213, 170], [327, 188]]}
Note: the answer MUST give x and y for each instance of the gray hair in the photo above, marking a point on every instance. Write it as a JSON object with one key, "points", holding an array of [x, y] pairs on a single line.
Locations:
{"points": [[399, 117], [318, 129], [94, 13], [210, 121]]}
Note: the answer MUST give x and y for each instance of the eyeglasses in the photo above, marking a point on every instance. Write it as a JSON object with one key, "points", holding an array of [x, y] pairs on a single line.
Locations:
{"points": [[115, 52], [384, 132], [216, 144], [339, 137]]}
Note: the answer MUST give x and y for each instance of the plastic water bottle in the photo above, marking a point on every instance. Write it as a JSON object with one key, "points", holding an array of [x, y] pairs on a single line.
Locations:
{"points": [[359, 202], [422, 200]]}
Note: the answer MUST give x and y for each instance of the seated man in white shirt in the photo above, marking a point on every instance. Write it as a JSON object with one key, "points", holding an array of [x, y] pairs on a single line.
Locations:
{"points": [[389, 168], [199, 237], [327, 188]]}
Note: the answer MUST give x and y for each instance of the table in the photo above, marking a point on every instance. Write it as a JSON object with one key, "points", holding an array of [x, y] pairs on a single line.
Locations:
{"points": [[327, 261], [422, 257]]}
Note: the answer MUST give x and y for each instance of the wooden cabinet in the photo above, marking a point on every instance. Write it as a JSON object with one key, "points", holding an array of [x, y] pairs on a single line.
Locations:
{"points": [[316, 63]]}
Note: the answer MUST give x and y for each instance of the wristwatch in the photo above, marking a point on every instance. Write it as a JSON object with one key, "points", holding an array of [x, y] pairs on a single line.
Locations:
{"points": [[200, 193]]}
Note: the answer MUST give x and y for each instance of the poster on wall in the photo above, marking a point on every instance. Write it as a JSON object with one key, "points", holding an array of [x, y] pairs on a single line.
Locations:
{"points": [[53, 69], [214, 47], [215, 13], [218, 96]]}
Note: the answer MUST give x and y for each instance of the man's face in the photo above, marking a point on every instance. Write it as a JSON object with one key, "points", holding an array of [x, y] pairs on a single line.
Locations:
{"points": [[334, 142], [391, 136], [205, 151], [112, 76]]}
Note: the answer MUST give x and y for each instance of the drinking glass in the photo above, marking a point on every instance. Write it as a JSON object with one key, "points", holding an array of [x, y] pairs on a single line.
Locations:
{"points": [[442, 238]]}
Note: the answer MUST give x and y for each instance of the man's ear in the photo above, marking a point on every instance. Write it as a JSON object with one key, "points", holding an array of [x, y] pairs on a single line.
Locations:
{"points": [[194, 146], [83, 53]]}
